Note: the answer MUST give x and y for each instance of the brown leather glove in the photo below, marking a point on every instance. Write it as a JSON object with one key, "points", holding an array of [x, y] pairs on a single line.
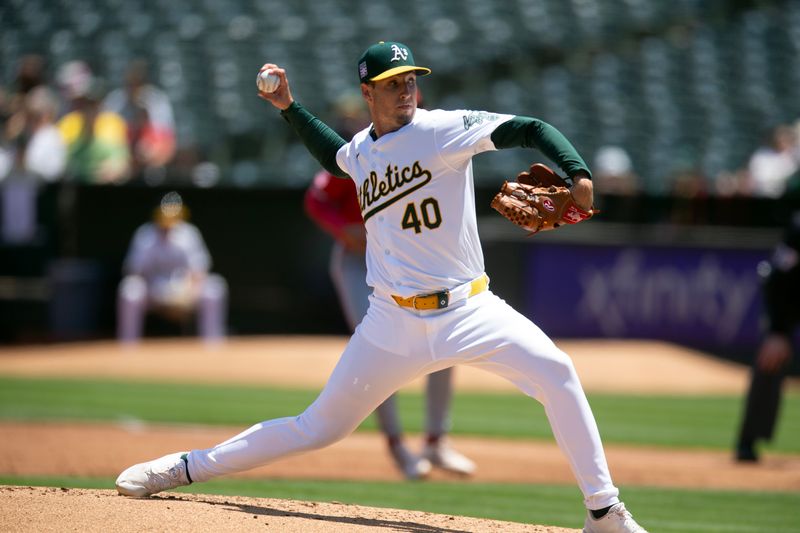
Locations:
{"points": [[539, 200]]}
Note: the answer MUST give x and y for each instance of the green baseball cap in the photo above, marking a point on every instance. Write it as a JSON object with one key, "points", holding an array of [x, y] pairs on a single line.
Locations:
{"points": [[386, 59]]}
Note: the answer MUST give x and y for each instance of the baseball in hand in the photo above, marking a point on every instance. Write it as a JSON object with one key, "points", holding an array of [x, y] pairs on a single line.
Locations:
{"points": [[267, 81]]}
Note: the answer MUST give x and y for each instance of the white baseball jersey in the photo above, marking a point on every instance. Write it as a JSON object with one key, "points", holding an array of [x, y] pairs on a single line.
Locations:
{"points": [[419, 206]]}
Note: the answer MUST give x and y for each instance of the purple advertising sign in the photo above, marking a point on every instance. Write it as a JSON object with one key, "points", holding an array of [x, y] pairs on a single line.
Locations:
{"points": [[702, 297]]}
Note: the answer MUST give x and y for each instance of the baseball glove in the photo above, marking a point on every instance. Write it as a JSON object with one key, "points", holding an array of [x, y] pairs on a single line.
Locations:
{"points": [[539, 200]]}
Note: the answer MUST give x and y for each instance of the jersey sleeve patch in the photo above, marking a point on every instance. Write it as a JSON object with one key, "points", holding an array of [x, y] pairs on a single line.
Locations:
{"points": [[473, 118]]}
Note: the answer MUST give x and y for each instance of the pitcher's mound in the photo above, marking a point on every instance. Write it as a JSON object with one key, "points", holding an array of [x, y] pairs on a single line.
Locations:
{"points": [[60, 509]]}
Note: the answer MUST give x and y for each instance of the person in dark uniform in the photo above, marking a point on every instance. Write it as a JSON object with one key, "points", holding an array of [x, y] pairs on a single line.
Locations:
{"points": [[781, 291]]}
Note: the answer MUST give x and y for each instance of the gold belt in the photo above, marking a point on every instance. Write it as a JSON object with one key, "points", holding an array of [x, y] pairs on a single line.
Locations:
{"points": [[440, 300]]}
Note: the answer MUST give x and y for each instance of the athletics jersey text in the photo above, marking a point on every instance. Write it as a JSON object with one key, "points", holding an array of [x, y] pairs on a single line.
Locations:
{"points": [[374, 189]]}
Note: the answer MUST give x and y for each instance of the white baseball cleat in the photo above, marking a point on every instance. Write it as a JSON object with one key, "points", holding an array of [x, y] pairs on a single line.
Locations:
{"points": [[617, 520], [144, 479], [412, 466], [445, 457]]}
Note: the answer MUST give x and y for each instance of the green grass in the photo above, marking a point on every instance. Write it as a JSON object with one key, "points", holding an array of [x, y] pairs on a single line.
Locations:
{"points": [[661, 510], [703, 421]]}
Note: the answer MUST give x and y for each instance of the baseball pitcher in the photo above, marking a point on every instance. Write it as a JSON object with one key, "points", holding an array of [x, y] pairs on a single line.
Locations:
{"points": [[431, 307]]}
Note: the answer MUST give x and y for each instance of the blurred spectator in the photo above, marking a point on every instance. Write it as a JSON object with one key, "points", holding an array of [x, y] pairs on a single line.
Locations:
{"points": [[773, 164], [97, 148], [730, 183], [781, 290], [33, 151], [617, 182], [6, 159], [13, 118], [613, 172], [29, 74], [40, 150], [690, 195], [167, 272], [151, 126]]}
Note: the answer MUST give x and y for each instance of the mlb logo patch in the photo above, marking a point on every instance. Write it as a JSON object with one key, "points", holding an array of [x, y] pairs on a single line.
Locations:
{"points": [[362, 70]]}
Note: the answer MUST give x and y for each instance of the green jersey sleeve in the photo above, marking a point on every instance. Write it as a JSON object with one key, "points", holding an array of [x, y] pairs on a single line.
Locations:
{"points": [[320, 140], [527, 132]]}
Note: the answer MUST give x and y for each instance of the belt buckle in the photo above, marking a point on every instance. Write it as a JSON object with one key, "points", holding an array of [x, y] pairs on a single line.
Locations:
{"points": [[442, 299]]}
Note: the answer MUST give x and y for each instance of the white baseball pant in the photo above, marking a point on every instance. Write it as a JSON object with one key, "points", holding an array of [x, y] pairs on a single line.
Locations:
{"points": [[395, 345], [348, 270]]}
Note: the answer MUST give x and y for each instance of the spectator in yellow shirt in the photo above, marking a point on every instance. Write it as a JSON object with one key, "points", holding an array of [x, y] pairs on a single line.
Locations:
{"points": [[97, 146]]}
